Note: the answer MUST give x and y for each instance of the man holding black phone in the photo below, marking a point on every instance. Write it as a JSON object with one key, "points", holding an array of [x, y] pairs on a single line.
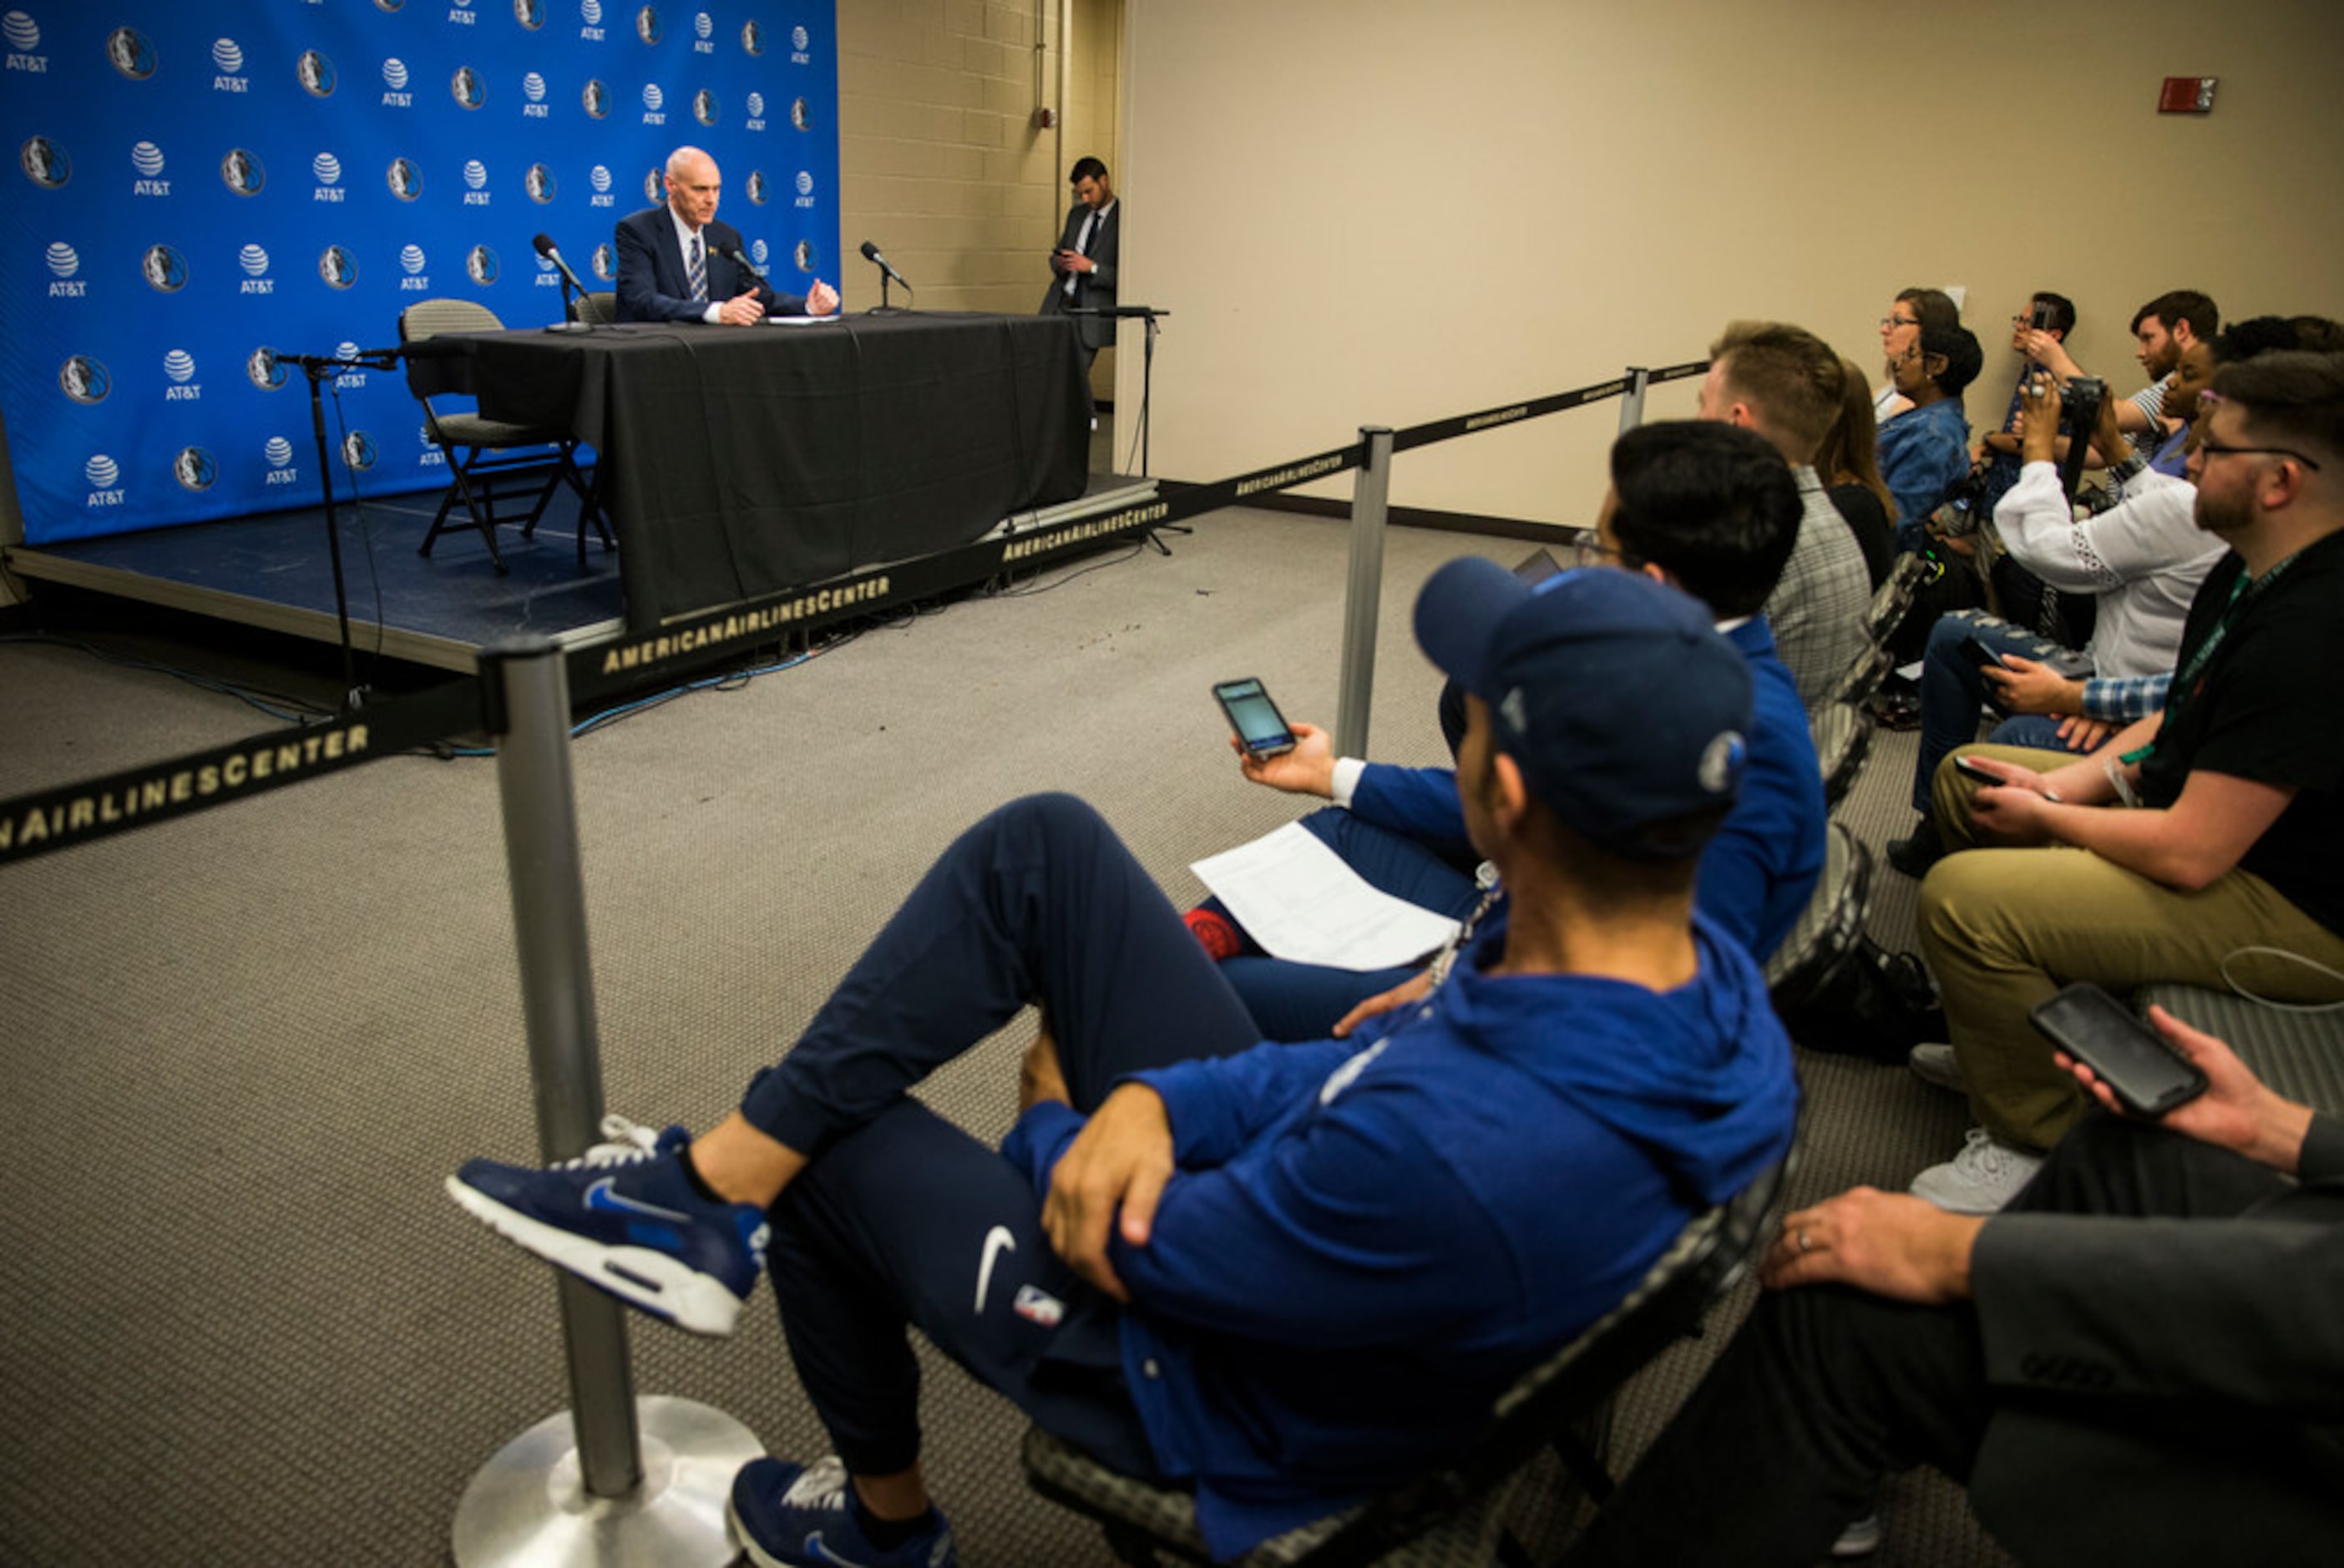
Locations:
{"points": [[2138, 1359], [1083, 266], [2214, 827]]}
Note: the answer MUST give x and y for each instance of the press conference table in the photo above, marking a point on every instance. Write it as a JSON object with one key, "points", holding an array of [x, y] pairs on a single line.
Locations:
{"points": [[742, 460]]}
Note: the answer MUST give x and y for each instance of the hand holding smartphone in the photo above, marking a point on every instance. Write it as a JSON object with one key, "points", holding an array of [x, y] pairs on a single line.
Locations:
{"points": [[1260, 728], [2148, 1075], [1969, 767]]}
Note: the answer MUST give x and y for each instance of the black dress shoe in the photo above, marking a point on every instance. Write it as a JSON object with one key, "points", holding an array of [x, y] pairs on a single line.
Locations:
{"points": [[1923, 849]]}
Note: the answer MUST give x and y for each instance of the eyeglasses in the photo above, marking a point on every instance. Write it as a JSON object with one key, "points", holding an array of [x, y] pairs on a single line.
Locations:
{"points": [[1593, 551], [2210, 447], [1886, 321]]}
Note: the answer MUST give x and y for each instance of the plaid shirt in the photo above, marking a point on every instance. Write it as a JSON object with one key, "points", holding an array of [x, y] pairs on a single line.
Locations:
{"points": [[2120, 699]]}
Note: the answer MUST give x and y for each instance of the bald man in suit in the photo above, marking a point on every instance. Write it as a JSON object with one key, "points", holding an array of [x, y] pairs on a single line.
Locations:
{"points": [[659, 245]]}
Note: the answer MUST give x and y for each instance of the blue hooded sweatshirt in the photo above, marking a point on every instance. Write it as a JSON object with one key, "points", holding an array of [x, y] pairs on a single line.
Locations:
{"points": [[1362, 1247]]}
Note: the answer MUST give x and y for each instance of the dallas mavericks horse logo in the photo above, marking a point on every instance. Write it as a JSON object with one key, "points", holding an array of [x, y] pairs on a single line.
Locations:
{"points": [[466, 87], [317, 73], [166, 270], [529, 14], [405, 179], [359, 450], [704, 107], [338, 267], [241, 171], [647, 25], [85, 380], [805, 256], [194, 469], [597, 99], [753, 37], [605, 268], [480, 265], [131, 52], [261, 369], [45, 163]]}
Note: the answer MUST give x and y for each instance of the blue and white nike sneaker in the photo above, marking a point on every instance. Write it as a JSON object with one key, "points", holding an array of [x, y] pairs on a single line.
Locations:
{"points": [[624, 1218], [798, 1516]]}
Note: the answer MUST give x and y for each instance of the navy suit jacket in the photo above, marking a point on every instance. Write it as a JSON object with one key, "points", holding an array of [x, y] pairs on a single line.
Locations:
{"points": [[653, 285]]}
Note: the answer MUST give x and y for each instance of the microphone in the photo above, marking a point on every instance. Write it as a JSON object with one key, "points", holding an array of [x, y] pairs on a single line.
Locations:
{"points": [[545, 248], [871, 254], [739, 258]]}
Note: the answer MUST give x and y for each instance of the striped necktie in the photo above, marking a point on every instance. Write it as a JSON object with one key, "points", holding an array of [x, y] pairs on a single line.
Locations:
{"points": [[699, 273]]}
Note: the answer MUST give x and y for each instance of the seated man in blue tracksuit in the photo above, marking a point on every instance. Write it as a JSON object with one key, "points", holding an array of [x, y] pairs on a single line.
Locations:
{"points": [[1708, 507], [1284, 1275]]}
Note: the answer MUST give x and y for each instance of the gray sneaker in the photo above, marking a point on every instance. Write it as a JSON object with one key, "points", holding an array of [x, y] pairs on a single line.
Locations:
{"points": [[1860, 1539], [1937, 1064], [1985, 1176]]}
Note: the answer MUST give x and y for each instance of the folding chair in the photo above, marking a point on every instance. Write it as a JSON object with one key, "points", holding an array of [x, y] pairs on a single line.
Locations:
{"points": [[1455, 1515], [600, 309], [492, 464]]}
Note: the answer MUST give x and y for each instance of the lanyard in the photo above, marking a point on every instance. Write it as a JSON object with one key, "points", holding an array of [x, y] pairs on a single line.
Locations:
{"points": [[2185, 682]]}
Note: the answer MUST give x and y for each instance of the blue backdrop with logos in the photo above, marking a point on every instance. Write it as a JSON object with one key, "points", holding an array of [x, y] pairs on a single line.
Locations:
{"points": [[204, 187]]}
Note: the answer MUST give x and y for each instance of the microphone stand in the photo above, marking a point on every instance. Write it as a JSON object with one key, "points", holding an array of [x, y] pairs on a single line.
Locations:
{"points": [[1149, 314], [884, 309], [319, 367]]}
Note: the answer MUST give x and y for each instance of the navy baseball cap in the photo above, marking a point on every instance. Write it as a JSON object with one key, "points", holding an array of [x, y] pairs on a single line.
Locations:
{"points": [[1613, 694]]}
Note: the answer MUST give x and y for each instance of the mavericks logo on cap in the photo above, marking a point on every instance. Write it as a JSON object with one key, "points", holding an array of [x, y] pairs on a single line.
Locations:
{"points": [[1721, 762]]}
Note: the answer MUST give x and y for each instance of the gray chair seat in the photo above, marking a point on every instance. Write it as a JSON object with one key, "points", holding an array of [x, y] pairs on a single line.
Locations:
{"points": [[1829, 928], [1842, 736]]}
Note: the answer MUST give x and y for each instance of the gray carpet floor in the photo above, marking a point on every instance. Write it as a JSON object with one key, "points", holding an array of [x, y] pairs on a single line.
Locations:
{"points": [[242, 1324]]}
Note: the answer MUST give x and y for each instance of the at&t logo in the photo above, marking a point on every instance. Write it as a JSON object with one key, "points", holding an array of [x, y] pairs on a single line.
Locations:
{"points": [[63, 262], [147, 159], [229, 59], [83, 379], [703, 27], [104, 477], [532, 89], [652, 101], [329, 171], [476, 181], [347, 380], [411, 263], [23, 35], [590, 12], [601, 180], [179, 366], [394, 79], [799, 42], [756, 107], [805, 188], [279, 453], [254, 262]]}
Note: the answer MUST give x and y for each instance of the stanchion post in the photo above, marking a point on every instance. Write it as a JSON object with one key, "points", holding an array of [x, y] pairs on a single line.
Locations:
{"points": [[1371, 496], [610, 1482], [1632, 406], [565, 1065]]}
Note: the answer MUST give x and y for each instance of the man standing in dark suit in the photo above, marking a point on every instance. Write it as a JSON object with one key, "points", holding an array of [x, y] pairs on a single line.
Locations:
{"points": [[677, 263], [1084, 263]]}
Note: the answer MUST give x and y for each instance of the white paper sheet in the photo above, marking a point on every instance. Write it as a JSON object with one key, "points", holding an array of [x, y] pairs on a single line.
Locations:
{"points": [[1296, 897]]}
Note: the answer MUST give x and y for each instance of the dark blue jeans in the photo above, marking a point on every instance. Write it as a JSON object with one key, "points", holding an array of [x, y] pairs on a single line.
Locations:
{"points": [[1952, 692], [903, 1219]]}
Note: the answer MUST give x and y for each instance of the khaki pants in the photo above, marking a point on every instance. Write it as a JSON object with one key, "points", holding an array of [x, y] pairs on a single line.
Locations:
{"points": [[2002, 929]]}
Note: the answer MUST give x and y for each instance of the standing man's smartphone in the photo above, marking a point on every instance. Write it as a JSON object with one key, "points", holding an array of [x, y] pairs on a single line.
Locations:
{"points": [[1261, 729], [2147, 1076]]}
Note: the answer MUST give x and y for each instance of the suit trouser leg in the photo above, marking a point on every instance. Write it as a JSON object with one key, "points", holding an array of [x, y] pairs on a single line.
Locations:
{"points": [[2003, 929]]}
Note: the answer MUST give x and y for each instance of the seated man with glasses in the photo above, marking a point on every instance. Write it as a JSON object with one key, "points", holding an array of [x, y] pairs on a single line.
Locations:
{"points": [[2212, 828], [1708, 507]]}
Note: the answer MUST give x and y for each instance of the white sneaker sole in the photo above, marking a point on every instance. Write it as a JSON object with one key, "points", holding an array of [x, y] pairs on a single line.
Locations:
{"points": [[657, 1283]]}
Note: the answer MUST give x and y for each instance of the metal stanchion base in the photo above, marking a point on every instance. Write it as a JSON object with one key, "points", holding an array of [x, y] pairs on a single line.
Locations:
{"points": [[528, 1507]]}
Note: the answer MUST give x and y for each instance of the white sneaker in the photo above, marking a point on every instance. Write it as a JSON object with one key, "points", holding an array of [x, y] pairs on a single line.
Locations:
{"points": [[1860, 1539], [1985, 1176], [1937, 1064]]}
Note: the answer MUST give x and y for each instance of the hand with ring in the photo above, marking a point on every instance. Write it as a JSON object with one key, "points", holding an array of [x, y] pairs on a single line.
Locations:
{"points": [[1891, 1244]]}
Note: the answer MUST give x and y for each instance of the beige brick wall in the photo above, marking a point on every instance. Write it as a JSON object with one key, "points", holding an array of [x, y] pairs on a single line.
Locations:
{"points": [[939, 160]]}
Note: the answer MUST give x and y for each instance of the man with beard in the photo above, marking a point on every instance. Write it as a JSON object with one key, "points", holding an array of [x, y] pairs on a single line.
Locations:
{"points": [[2213, 826]]}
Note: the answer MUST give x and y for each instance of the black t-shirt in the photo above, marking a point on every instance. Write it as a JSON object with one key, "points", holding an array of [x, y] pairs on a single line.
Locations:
{"points": [[1868, 521], [2269, 706]]}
